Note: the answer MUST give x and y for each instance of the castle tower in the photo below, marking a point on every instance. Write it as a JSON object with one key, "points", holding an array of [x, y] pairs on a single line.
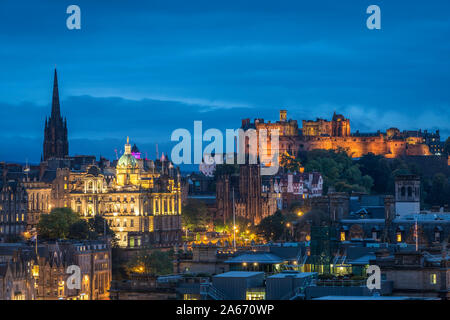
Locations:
{"points": [[407, 195], [283, 115], [55, 131]]}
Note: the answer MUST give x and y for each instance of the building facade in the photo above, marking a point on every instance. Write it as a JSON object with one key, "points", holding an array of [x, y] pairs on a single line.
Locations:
{"points": [[336, 134], [140, 198]]}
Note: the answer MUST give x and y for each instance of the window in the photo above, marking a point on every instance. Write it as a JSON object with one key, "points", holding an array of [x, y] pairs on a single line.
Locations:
{"points": [[374, 235], [437, 236], [433, 278], [255, 294], [399, 237], [342, 235]]}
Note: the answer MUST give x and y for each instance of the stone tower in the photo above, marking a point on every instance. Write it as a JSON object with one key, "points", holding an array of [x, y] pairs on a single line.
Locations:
{"points": [[250, 191], [55, 132], [283, 115], [407, 195]]}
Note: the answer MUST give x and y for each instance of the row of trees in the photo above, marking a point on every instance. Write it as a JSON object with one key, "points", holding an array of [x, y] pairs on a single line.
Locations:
{"points": [[435, 189], [155, 262], [64, 223], [371, 173], [338, 170]]}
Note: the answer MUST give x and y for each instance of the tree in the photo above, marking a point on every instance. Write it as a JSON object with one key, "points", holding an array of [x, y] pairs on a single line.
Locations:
{"points": [[79, 230], [194, 215], [447, 147], [439, 195], [272, 227], [338, 170], [151, 262], [98, 225], [63, 223], [290, 163], [315, 218], [56, 224]]}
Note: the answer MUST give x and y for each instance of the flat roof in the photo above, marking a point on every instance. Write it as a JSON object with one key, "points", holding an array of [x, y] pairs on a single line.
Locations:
{"points": [[238, 274], [292, 274], [256, 257]]}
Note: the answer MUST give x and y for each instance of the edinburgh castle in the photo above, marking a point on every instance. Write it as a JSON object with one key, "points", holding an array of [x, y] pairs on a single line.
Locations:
{"points": [[336, 134]]}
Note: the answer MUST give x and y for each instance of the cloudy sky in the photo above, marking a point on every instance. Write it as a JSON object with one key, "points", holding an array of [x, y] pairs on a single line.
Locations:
{"points": [[145, 68]]}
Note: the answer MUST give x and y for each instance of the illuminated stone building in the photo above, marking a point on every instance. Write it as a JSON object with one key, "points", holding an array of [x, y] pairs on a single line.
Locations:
{"points": [[335, 134], [16, 282], [49, 270], [339, 126], [136, 196], [254, 200], [23, 198], [142, 198]]}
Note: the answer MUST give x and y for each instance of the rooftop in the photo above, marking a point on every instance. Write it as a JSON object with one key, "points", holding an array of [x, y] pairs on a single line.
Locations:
{"points": [[267, 258], [292, 274], [238, 274]]}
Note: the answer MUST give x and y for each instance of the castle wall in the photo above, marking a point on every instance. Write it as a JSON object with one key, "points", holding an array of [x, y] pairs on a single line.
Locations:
{"points": [[359, 146]]}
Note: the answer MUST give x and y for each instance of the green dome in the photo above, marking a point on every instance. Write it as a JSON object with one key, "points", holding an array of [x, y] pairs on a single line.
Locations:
{"points": [[127, 160]]}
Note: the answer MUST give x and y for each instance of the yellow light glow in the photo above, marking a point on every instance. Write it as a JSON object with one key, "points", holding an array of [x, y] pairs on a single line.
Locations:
{"points": [[308, 237], [299, 213]]}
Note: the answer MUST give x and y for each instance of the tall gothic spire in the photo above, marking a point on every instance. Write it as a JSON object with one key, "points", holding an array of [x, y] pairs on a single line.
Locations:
{"points": [[55, 132], [56, 113]]}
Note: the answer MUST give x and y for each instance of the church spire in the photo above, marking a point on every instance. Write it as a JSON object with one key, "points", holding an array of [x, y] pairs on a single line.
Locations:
{"points": [[55, 132], [56, 113]]}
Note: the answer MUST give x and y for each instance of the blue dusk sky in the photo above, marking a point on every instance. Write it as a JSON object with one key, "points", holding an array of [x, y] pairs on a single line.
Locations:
{"points": [[144, 68]]}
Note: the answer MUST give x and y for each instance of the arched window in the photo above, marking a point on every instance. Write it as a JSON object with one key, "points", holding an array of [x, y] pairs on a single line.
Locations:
{"points": [[403, 191], [409, 192]]}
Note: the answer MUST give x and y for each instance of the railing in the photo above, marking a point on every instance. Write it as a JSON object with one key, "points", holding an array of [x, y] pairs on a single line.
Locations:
{"points": [[299, 292], [340, 283], [207, 289]]}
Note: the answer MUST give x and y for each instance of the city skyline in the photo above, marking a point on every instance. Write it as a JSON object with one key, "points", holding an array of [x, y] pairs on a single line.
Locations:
{"points": [[147, 74]]}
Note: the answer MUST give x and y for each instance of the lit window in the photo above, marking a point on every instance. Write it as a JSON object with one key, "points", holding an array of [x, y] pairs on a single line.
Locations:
{"points": [[342, 236], [433, 278], [399, 237], [255, 294]]}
